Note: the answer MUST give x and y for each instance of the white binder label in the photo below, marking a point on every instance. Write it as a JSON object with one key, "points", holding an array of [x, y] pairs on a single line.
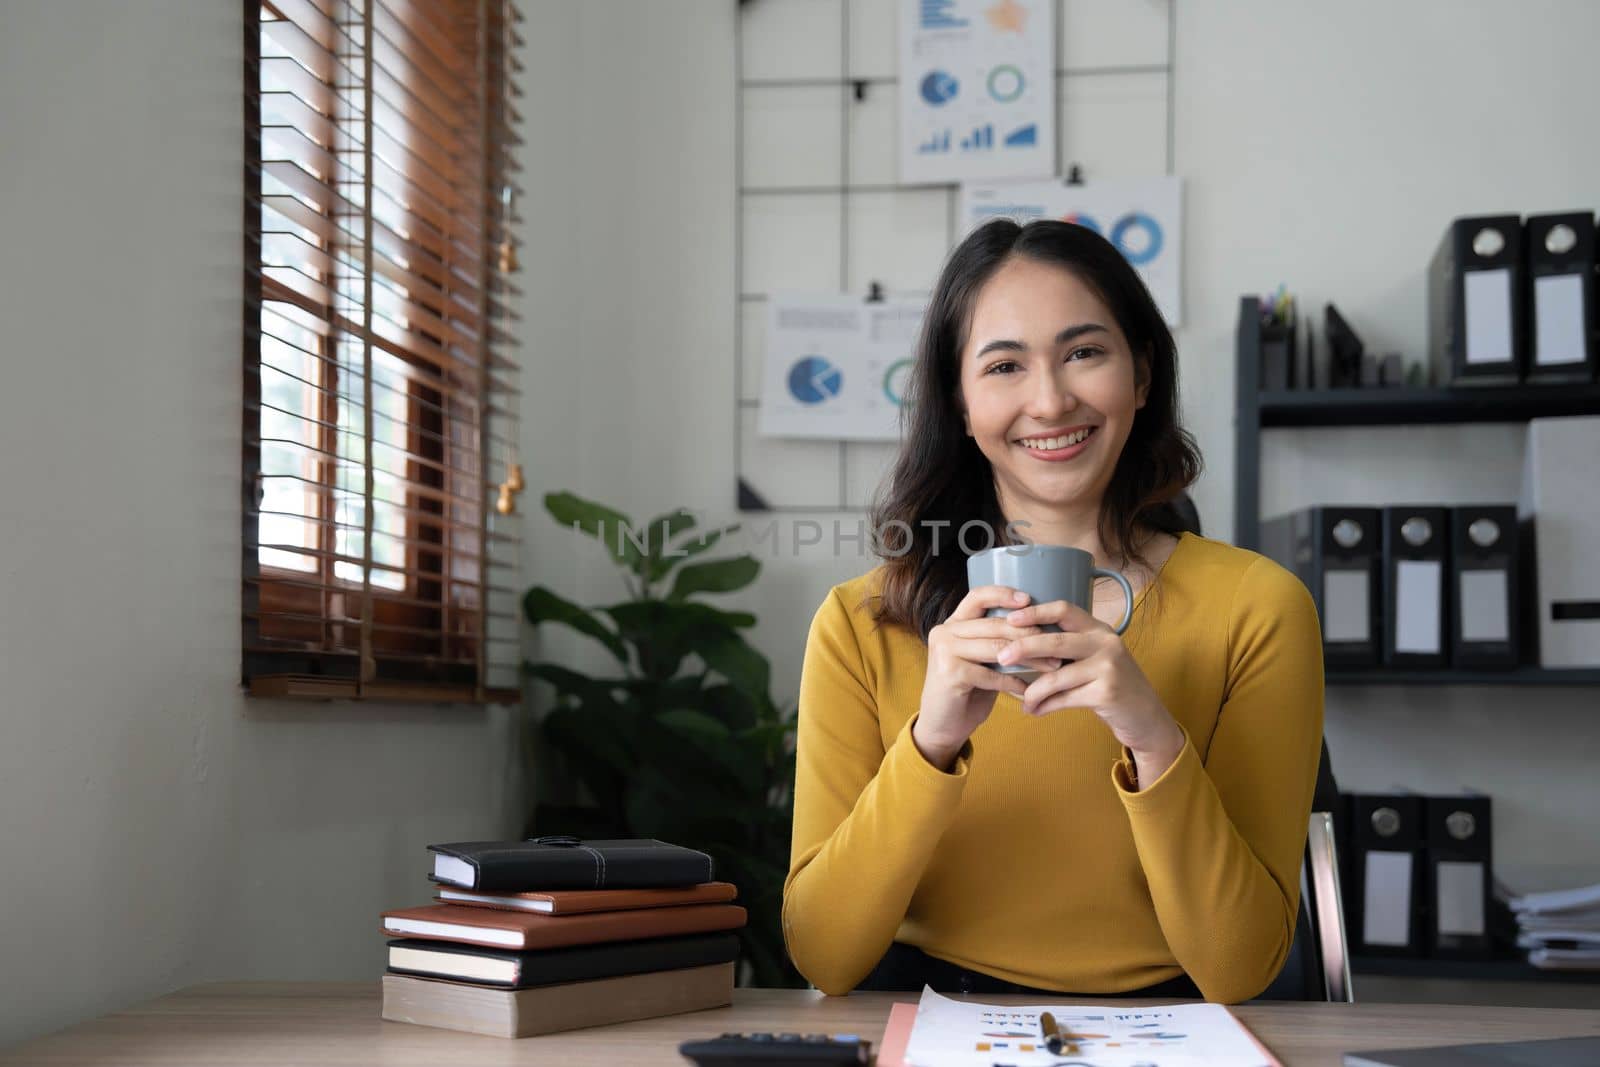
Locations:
{"points": [[1488, 297], [1460, 893], [1485, 615], [1345, 611], [1416, 605], [1558, 319], [1386, 900]]}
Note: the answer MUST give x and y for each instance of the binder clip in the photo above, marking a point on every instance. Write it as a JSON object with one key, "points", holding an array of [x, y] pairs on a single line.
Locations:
{"points": [[1074, 175], [875, 293]]}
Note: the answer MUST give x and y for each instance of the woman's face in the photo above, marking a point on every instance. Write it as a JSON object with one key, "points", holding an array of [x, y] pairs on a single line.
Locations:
{"points": [[1048, 385]]}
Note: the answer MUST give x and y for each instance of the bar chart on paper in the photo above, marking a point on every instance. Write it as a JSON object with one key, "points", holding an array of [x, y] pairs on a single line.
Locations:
{"points": [[937, 15]]}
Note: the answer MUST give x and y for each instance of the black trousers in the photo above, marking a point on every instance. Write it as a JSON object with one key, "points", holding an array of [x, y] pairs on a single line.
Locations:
{"points": [[905, 968]]}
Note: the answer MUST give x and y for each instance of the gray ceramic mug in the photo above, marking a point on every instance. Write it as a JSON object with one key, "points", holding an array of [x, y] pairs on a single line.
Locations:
{"points": [[1045, 573]]}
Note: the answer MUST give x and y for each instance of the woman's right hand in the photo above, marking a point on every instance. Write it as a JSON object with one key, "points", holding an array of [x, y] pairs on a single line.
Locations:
{"points": [[958, 691]]}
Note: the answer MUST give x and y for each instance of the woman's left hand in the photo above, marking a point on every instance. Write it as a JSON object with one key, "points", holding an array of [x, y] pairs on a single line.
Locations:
{"points": [[1101, 676]]}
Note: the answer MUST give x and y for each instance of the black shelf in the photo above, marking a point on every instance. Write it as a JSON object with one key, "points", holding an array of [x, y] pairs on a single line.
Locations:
{"points": [[1398, 406], [1377, 406], [1504, 969], [1517, 676]]}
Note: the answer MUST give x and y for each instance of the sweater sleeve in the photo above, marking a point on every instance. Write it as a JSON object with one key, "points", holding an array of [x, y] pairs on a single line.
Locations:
{"points": [[1221, 837], [866, 819]]}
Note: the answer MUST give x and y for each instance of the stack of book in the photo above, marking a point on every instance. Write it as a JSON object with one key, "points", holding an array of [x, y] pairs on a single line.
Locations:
{"points": [[532, 937], [1560, 929]]}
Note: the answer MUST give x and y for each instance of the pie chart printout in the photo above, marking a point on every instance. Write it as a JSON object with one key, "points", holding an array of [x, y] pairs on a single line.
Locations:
{"points": [[813, 380]]}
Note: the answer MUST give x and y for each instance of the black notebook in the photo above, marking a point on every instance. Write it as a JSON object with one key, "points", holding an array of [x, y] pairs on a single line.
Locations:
{"points": [[547, 863], [524, 970]]}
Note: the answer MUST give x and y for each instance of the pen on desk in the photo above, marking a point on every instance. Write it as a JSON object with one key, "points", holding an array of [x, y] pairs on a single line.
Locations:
{"points": [[1050, 1033]]}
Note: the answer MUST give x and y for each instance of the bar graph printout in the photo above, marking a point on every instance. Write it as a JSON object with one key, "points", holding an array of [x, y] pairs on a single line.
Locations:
{"points": [[960, 1033], [977, 90]]}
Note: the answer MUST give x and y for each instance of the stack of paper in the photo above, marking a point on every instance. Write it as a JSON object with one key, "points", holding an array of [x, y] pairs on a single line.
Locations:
{"points": [[1561, 929]]}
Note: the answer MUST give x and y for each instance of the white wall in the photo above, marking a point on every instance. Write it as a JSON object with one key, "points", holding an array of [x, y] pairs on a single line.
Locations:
{"points": [[157, 828], [629, 280]]}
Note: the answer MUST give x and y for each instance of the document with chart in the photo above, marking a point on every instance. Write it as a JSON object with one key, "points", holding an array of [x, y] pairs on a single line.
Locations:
{"points": [[960, 1033], [836, 366], [1143, 217], [977, 90]]}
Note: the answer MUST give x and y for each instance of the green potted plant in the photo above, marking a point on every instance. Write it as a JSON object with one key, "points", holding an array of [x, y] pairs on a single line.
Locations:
{"points": [[681, 741]]}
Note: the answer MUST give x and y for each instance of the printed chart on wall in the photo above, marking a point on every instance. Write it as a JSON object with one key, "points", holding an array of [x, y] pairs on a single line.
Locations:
{"points": [[958, 1033], [1143, 217], [977, 89], [836, 366]]}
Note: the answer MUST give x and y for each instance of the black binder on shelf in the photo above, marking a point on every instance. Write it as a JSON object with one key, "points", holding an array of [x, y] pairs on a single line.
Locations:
{"points": [[1416, 559], [1278, 356], [1485, 587], [1459, 836], [1560, 251], [1336, 552], [1386, 899], [1345, 350], [1476, 303]]}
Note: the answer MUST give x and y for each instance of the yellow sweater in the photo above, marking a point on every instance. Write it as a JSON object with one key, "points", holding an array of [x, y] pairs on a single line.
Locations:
{"points": [[1033, 859]]}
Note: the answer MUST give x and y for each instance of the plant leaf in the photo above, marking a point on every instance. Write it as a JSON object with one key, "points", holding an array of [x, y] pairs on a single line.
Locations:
{"points": [[732, 657], [541, 605], [569, 682], [732, 707], [662, 632], [688, 549], [646, 616], [597, 730], [663, 528], [716, 576], [611, 528], [694, 724]]}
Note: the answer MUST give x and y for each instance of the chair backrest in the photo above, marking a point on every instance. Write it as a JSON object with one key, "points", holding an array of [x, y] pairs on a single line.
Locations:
{"points": [[1318, 964], [1319, 888]]}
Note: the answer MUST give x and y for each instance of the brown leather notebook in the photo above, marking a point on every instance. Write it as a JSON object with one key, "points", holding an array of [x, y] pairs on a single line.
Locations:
{"points": [[577, 901], [525, 930], [549, 1009]]}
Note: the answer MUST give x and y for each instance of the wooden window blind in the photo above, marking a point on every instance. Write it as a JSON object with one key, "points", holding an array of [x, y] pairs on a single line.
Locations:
{"points": [[380, 388]]}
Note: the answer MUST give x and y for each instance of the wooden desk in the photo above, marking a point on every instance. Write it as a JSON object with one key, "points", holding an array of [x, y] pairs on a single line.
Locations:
{"points": [[282, 1023]]}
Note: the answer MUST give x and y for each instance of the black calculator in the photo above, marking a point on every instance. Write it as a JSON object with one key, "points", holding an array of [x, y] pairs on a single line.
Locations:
{"points": [[773, 1050]]}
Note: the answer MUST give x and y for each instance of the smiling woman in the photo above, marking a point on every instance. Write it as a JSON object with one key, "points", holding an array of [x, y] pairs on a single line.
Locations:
{"points": [[1065, 339], [1170, 769]]}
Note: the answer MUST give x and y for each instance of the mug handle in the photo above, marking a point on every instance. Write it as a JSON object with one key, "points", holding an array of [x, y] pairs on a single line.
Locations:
{"points": [[1127, 594]]}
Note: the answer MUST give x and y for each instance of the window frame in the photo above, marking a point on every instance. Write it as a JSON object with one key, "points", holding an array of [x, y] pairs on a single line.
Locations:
{"points": [[435, 462]]}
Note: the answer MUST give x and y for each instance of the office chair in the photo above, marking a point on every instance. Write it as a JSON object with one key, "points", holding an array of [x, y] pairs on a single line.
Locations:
{"points": [[1318, 965]]}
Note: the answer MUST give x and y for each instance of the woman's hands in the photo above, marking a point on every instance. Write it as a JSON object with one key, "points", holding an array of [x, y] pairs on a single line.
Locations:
{"points": [[1097, 673], [958, 691]]}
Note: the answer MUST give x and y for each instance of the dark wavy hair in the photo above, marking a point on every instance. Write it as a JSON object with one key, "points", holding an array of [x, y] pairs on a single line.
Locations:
{"points": [[940, 476]]}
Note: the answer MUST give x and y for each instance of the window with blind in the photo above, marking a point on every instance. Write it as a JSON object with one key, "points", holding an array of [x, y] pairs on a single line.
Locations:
{"points": [[380, 398]]}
